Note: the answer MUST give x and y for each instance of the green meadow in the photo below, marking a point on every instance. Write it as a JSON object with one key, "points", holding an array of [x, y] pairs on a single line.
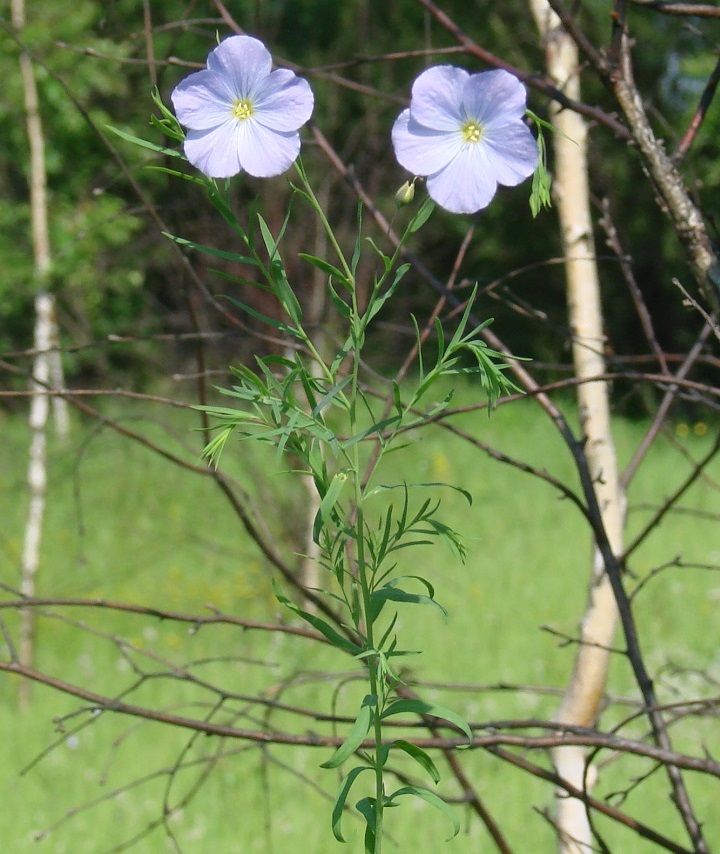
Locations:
{"points": [[124, 524]]}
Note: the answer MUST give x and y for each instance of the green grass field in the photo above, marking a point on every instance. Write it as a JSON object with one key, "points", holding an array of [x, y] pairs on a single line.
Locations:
{"points": [[124, 524]]}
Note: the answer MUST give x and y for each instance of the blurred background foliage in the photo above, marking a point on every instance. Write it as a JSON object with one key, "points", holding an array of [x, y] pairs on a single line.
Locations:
{"points": [[115, 275]]}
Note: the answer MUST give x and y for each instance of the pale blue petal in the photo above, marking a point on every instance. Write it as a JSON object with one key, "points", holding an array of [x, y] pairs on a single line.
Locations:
{"points": [[463, 176], [420, 150], [493, 95], [202, 100], [215, 152], [244, 62], [436, 100], [510, 152], [283, 101], [265, 153], [463, 186]]}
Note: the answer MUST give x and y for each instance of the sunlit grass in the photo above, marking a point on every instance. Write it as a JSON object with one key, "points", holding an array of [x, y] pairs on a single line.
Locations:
{"points": [[124, 524]]}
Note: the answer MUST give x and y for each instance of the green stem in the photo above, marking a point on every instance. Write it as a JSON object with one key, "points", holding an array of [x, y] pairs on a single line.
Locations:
{"points": [[375, 687], [365, 589], [312, 198]]}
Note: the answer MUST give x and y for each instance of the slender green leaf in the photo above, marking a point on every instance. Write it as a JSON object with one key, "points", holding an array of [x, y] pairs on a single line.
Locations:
{"points": [[366, 807], [369, 841], [268, 239], [169, 125], [285, 294], [417, 753], [420, 707], [214, 448], [375, 428], [334, 637], [383, 487], [386, 259], [395, 594], [339, 805], [143, 143], [431, 798], [184, 176], [357, 252], [357, 734], [329, 501], [423, 215], [330, 395], [328, 268], [388, 631], [343, 308], [379, 301], [425, 583], [210, 250], [275, 324]]}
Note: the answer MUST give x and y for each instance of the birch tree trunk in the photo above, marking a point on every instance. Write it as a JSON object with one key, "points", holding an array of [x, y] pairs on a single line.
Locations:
{"points": [[47, 369], [580, 704], [37, 481]]}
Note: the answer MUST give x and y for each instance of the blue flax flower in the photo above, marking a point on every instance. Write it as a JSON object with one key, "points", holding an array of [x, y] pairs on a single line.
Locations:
{"points": [[465, 133], [240, 114]]}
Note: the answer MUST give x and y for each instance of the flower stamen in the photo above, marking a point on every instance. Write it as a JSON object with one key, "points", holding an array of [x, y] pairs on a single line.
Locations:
{"points": [[243, 110], [471, 131]]}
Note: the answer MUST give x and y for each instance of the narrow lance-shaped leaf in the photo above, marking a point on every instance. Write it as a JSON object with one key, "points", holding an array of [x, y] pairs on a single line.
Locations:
{"points": [[369, 431], [270, 243], [417, 753], [421, 707], [390, 593], [340, 800], [143, 143], [328, 268], [276, 324], [366, 807], [357, 252], [328, 502], [378, 302], [285, 293], [423, 215], [431, 798], [343, 308], [357, 734], [210, 250], [329, 396], [325, 629]]}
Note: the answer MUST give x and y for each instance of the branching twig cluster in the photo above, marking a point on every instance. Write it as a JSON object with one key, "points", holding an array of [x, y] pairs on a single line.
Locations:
{"points": [[265, 720]]}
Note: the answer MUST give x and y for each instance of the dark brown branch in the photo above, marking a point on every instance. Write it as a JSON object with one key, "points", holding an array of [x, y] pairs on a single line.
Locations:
{"points": [[600, 806], [661, 413], [566, 735], [672, 499], [685, 217], [614, 567], [195, 620], [541, 84], [700, 113], [670, 7]]}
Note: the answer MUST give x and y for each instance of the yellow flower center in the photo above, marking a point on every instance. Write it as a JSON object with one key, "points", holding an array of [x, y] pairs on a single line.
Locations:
{"points": [[471, 131], [243, 110]]}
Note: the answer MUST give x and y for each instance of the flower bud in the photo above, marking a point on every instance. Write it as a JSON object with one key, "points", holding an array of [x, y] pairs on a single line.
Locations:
{"points": [[405, 194]]}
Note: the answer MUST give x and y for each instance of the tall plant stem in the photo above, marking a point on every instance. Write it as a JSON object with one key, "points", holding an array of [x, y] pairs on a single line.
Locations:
{"points": [[364, 581]]}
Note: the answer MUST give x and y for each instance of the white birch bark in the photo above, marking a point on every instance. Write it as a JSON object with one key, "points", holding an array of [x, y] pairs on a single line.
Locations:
{"points": [[580, 704], [39, 214], [37, 480], [47, 368]]}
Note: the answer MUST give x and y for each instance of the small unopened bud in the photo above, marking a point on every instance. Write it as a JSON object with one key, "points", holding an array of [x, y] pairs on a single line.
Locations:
{"points": [[405, 194]]}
